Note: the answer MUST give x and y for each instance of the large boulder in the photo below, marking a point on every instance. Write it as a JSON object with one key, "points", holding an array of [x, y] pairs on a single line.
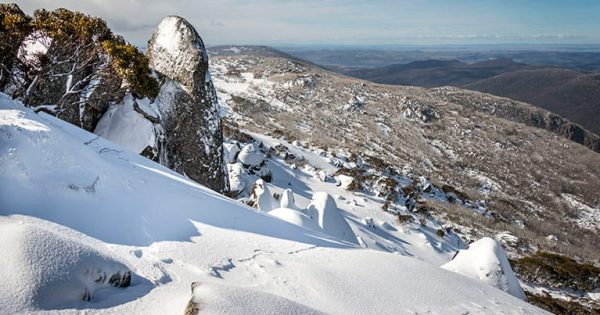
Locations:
{"points": [[189, 116]]}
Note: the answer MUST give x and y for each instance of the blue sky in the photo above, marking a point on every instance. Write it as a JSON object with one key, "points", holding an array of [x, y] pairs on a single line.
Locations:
{"points": [[354, 22]]}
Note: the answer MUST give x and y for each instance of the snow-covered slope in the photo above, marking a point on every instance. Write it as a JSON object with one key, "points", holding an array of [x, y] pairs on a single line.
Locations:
{"points": [[77, 210]]}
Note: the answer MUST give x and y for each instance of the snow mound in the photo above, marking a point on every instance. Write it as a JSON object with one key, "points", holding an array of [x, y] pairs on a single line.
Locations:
{"points": [[50, 270], [295, 217], [486, 261], [324, 209]]}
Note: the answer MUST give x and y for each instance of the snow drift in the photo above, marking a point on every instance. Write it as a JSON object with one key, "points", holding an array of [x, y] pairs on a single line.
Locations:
{"points": [[89, 205]]}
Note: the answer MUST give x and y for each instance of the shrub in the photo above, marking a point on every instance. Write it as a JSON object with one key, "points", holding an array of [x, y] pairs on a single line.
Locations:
{"points": [[440, 233], [558, 306], [450, 189], [405, 218], [376, 163], [130, 64], [81, 40], [64, 25], [14, 27], [558, 271], [354, 186]]}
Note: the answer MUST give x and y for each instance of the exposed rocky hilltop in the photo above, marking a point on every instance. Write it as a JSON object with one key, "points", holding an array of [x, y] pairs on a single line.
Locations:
{"points": [[516, 170]]}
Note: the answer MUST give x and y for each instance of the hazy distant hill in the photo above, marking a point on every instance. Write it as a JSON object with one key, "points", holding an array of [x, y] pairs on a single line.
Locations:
{"points": [[571, 94], [577, 58], [251, 50], [433, 73]]}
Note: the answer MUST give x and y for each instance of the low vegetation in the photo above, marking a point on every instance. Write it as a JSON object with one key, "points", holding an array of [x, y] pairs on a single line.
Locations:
{"points": [[78, 40], [557, 271], [559, 306]]}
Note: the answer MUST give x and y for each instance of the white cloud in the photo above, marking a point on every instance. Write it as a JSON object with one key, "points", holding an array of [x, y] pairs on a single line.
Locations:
{"points": [[321, 21]]}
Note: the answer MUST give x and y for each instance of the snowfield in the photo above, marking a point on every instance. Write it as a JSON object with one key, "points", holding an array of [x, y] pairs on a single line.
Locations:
{"points": [[87, 225]]}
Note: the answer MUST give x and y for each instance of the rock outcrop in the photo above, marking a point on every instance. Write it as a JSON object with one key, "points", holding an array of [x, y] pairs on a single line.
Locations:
{"points": [[192, 138]]}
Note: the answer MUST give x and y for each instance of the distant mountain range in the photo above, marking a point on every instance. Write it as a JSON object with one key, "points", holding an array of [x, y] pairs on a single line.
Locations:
{"points": [[434, 73]]}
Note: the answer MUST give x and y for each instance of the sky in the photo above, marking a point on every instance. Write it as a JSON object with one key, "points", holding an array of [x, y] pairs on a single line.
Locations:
{"points": [[352, 22]]}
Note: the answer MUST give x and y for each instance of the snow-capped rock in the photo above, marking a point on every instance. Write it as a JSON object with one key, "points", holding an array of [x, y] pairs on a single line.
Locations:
{"points": [[238, 178], [507, 238], [485, 260], [263, 197], [323, 209], [287, 200], [187, 102], [344, 181], [250, 155], [230, 152]]}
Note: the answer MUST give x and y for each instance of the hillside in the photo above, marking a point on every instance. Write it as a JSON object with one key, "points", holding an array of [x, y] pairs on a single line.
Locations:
{"points": [[451, 135], [433, 73], [571, 94]]}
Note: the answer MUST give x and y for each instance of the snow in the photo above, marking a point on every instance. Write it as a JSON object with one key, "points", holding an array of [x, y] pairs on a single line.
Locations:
{"points": [[264, 196], [237, 177], [68, 266], [168, 34], [250, 155], [486, 261], [287, 200], [230, 152], [312, 158], [34, 45], [323, 208], [124, 126], [71, 201]]}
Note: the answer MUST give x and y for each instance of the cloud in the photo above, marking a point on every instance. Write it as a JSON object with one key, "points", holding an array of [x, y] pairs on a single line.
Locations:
{"points": [[345, 22]]}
